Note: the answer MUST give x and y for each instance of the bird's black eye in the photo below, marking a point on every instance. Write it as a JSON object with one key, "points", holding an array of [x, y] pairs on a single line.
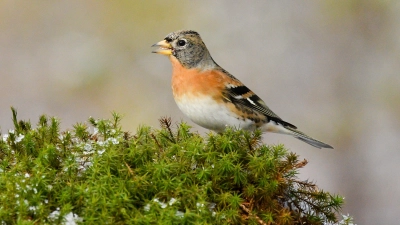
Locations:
{"points": [[181, 42]]}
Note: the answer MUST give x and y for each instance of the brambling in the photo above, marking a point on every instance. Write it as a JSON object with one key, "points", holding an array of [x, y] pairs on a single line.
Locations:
{"points": [[213, 98]]}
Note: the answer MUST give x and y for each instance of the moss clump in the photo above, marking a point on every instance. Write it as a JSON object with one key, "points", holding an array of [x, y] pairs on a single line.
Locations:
{"points": [[155, 176]]}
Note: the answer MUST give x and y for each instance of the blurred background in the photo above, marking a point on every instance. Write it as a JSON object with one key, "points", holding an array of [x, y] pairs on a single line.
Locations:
{"points": [[330, 67]]}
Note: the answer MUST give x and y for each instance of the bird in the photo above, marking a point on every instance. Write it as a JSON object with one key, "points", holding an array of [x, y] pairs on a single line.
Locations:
{"points": [[212, 97]]}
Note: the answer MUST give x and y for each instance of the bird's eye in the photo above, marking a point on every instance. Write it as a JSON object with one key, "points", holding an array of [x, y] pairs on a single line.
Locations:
{"points": [[181, 42]]}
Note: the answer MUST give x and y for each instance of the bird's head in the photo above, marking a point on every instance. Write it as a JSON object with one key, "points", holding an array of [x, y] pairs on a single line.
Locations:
{"points": [[187, 47]]}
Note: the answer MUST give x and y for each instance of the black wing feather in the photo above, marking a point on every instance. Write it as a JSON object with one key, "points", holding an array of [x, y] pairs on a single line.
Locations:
{"points": [[254, 103]]}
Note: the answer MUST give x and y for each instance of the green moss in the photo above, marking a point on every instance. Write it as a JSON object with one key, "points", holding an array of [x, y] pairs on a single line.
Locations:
{"points": [[168, 175]]}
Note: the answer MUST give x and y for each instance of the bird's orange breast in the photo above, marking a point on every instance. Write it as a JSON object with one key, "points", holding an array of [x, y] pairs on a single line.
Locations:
{"points": [[196, 83]]}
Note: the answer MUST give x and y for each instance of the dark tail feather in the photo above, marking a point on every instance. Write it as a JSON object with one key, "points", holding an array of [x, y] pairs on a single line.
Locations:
{"points": [[311, 141]]}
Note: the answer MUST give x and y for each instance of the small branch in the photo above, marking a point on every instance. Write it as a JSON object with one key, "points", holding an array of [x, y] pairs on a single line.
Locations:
{"points": [[165, 122], [301, 164], [259, 220], [126, 137], [249, 143], [305, 199], [305, 183], [129, 169], [14, 119], [158, 144]]}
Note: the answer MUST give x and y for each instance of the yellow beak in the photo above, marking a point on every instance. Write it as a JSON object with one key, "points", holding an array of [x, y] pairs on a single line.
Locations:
{"points": [[165, 48]]}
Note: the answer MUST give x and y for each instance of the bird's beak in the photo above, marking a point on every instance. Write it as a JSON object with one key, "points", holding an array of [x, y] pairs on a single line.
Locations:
{"points": [[165, 48]]}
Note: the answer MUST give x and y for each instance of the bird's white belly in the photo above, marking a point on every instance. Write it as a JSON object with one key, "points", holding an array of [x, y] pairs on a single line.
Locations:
{"points": [[210, 114]]}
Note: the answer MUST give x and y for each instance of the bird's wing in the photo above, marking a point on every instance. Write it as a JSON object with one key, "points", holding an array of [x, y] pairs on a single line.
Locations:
{"points": [[244, 97]]}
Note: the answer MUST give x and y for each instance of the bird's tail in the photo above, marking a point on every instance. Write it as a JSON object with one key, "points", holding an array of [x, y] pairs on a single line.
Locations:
{"points": [[309, 140]]}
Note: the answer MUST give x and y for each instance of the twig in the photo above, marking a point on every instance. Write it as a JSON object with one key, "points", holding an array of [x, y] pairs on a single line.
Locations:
{"points": [[166, 123], [259, 220], [305, 183], [158, 144], [129, 169], [301, 164]]}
